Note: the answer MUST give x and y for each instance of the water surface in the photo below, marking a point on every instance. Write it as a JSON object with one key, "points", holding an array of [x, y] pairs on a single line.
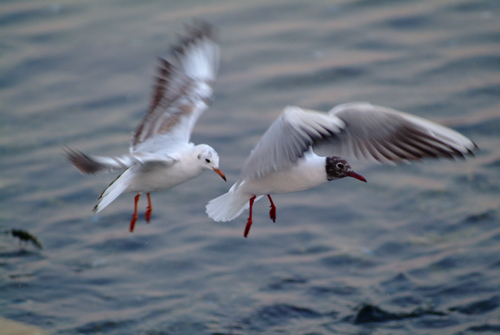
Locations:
{"points": [[414, 251]]}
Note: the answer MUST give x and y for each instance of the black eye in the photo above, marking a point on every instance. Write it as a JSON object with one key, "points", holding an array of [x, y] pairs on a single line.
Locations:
{"points": [[207, 160], [340, 166]]}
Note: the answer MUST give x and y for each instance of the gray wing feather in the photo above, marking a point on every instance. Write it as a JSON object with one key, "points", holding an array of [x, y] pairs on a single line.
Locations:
{"points": [[97, 164], [380, 134], [287, 139], [183, 91], [93, 165]]}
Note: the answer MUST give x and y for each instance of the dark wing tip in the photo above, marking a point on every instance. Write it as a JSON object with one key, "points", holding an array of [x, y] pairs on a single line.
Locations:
{"points": [[470, 152], [195, 31], [476, 147], [200, 28], [82, 162]]}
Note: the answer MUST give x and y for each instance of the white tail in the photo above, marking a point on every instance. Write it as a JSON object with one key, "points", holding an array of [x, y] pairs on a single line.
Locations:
{"points": [[117, 187], [228, 206]]}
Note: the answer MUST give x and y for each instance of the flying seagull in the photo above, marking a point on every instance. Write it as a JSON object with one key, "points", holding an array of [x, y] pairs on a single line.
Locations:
{"points": [[161, 154], [305, 148]]}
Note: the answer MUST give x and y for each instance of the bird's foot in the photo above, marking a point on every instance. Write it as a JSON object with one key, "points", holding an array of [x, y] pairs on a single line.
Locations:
{"points": [[247, 227], [134, 216], [147, 215], [132, 222], [149, 209], [249, 221], [272, 213]]}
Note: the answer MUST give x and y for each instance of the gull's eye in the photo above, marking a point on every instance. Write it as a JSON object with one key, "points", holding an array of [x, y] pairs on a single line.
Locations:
{"points": [[207, 160], [340, 166]]}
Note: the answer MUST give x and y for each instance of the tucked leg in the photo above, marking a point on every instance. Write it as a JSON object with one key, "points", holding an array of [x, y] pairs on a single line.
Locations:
{"points": [[134, 216], [149, 209], [272, 212], [249, 222]]}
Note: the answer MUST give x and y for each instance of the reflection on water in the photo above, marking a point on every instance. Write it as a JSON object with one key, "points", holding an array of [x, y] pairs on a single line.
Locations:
{"points": [[414, 251]]}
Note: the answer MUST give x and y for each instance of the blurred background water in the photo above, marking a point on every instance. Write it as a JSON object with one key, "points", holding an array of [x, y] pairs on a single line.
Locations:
{"points": [[414, 251]]}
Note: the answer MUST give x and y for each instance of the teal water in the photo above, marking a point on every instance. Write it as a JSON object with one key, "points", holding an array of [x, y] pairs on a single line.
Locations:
{"points": [[413, 251]]}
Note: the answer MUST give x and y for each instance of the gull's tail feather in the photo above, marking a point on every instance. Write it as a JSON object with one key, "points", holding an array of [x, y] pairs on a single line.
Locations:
{"points": [[228, 206], [117, 187], [97, 164]]}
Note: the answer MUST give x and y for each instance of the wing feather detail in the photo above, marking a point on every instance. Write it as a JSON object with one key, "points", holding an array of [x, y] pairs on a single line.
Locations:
{"points": [[380, 134], [183, 91], [287, 140], [93, 165]]}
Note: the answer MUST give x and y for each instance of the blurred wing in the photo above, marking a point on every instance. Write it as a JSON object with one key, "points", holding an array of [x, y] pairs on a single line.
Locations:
{"points": [[183, 92], [93, 165], [380, 134], [287, 139], [97, 164]]}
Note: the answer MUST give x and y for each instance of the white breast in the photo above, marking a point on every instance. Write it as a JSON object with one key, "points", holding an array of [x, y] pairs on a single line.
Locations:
{"points": [[309, 172], [158, 177]]}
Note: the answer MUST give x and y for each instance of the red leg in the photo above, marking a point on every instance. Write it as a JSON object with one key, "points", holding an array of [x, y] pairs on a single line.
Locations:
{"points": [[134, 216], [149, 209], [272, 212], [249, 222]]}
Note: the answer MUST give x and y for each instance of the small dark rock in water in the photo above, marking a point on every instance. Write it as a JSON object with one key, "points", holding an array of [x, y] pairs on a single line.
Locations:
{"points": [[370, 313], [485, 328], [475, 218], [24, 236], [478, 307], [373, 314]]}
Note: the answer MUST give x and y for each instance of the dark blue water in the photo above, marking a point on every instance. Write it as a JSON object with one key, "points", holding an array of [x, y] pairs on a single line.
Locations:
{"points": [[414, 251]]}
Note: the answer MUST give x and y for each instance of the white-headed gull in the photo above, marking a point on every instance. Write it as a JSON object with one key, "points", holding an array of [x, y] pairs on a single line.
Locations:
{"points": [[300, 150], [161, 155]]}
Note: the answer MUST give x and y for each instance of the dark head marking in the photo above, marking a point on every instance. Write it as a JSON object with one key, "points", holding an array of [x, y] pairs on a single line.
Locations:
{"points": [[337, 168]]}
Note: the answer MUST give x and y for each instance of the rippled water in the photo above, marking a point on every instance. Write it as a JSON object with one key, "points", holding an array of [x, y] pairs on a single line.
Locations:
{"points": [[414, 251]]}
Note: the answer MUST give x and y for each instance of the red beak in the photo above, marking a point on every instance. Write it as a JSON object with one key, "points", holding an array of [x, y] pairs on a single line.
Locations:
{"points": [[357, 176]]}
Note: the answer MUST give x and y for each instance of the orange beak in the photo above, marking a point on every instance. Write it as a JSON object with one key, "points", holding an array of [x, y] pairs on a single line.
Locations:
{"points": [[220, 173]]}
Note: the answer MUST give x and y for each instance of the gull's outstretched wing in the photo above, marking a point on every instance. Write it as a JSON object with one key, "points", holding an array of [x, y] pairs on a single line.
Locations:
{"points": [[380, 134], [183, 92]]}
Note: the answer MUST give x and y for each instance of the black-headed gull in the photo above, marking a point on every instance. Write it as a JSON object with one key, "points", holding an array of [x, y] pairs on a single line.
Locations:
{"points": [[161, 155], [300, 150]]}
